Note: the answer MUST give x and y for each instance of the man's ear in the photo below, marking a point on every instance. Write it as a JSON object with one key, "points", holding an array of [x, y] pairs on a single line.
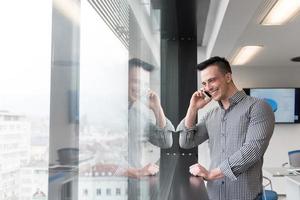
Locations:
{"points": [[228, 77]]}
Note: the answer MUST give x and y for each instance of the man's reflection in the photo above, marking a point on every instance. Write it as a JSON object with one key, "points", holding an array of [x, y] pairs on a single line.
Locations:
{"points": [[148, 126], [148, 129]]}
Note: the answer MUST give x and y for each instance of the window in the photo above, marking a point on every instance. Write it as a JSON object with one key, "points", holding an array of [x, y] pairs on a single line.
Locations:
{"points": [[85, 192], [118, 191], [25, 95], [108, 191], [102, 77], [98, 192]]}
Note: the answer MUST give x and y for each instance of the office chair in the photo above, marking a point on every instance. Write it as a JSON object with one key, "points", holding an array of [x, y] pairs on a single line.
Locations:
{"points": [[268, 194], [294, 158]]}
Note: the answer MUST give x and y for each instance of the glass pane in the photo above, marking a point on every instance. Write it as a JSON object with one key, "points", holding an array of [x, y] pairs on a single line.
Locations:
{"points": [[24, 92], [103, 109], [122, 123]]}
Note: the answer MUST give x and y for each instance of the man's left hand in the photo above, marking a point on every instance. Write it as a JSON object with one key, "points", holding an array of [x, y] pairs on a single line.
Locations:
{"points": [[199, 170]]}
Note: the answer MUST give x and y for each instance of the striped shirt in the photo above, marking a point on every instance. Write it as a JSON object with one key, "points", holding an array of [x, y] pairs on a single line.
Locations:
{"points": [[238, 138]]}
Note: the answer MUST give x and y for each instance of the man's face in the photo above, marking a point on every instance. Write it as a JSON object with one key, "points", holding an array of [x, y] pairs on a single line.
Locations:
{"points": [[138, 83], [215, 82]]}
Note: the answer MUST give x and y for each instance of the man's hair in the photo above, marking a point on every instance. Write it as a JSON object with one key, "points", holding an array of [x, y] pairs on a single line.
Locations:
{"points": [[135, 62], [222, 63]]}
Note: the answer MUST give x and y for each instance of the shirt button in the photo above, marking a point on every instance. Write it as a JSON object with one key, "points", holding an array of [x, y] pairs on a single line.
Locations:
{"points": [[223, 182]]}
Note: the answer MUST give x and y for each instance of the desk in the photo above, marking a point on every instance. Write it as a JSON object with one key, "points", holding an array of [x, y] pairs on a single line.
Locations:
{"points": [[292, 187], [278, 177], [174, 182]]}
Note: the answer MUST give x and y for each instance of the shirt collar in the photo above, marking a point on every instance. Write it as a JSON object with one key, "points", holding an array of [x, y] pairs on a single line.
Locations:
{"points": [[236, 98]]}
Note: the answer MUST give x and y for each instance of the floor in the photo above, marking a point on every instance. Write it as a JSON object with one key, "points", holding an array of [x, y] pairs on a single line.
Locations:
{"points": [[281, 197]]}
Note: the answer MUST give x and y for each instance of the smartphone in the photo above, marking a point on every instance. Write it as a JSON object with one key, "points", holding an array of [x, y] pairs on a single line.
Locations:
{"points": [[207, 94]]}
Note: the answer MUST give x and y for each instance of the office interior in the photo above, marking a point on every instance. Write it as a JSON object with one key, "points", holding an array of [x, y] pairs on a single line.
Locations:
{"points": [[65, 92]]}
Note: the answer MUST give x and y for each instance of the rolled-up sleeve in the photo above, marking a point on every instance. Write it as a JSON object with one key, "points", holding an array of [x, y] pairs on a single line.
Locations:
{"points": [[192, 137], [161, 137], [260, 130]]}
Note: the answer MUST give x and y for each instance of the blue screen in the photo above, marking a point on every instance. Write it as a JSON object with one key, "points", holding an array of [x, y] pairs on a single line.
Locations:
{"points": [[283, 102]]}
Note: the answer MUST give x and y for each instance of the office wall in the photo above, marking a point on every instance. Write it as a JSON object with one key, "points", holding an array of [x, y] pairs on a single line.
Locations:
{"points": [[286, 137]]}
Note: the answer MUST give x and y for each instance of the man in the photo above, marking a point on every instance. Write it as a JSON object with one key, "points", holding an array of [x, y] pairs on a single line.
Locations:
{"points": [[238, 130]]}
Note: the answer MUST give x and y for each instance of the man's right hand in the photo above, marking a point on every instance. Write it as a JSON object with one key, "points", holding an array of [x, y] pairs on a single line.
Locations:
{"points": [[198, 100]]}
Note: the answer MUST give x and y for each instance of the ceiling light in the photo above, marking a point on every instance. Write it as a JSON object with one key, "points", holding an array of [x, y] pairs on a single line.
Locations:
{"points": [[282, 12], [245, 54]]}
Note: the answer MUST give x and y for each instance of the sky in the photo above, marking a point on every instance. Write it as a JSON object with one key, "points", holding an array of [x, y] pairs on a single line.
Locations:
{"points": [[25, 55]]}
